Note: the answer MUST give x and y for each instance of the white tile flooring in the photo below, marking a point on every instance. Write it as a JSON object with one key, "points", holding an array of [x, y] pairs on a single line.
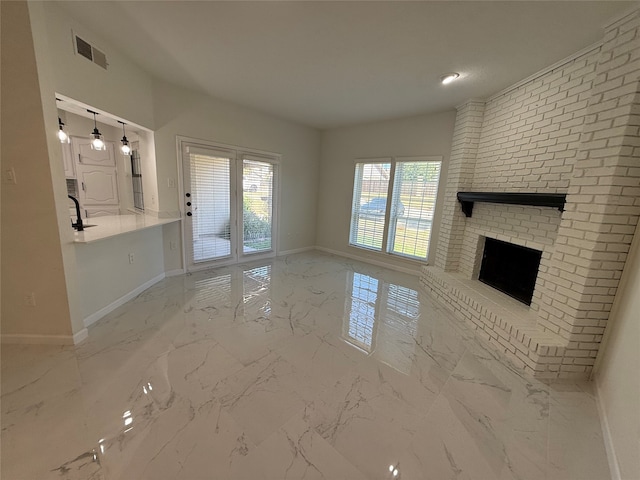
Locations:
{"points": [[303, 367]]}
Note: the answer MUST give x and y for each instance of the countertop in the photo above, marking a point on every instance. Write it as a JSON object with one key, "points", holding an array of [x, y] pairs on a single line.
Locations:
{"points": [[112, 225]]}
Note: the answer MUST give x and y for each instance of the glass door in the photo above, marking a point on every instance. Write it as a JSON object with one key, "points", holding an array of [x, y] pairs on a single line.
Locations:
{"points": [[210, 219], [257, 206], [229, 204]]}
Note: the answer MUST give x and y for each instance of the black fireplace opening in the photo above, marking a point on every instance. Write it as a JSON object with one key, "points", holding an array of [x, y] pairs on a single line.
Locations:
{"points": [[510, 268]]}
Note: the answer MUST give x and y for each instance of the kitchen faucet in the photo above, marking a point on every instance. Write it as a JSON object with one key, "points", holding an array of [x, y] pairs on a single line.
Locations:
{"points": [[78, 225]]}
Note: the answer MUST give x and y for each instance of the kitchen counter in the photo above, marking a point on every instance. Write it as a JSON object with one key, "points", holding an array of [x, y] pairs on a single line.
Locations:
{"points": [[112, 225]]}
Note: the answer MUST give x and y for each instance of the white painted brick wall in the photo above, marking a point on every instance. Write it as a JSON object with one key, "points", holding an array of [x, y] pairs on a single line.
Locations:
{"points": [[576, 130], [530, 135]]}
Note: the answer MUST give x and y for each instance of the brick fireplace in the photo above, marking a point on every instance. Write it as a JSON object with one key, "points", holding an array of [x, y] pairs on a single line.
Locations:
{"points": [[573, 129]]}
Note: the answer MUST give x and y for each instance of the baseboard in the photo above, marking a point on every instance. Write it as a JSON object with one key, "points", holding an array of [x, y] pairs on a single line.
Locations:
{"points": [[175, 273], [379, 263], [94, 317], [295, 250], [614, 467], [27, 339], [80, 336]]}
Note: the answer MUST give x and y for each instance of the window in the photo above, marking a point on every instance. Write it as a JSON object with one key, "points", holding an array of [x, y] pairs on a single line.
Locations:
{"points": [[393, 205], [136, 178]]}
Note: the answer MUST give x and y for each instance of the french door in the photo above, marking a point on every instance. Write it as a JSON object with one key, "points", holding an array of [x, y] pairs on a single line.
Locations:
{"points": [[229, 201]]}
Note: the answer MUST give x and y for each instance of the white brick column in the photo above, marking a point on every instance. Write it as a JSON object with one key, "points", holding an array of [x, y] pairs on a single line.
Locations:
{"points": [[603, 203], [464, 149]]}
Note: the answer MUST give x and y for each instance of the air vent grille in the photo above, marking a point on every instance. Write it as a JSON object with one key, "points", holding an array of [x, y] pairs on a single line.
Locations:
{"points": [[90, 52], [99, 58], [83, 48]]}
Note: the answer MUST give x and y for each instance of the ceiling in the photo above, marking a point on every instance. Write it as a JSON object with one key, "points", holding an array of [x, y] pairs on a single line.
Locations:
{"points": [[327, 64]]}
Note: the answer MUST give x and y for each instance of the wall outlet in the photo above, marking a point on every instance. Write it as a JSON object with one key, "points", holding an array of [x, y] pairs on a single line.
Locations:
{"points": [[171, 182], [131, 258], [30, 299], [173, 245]]}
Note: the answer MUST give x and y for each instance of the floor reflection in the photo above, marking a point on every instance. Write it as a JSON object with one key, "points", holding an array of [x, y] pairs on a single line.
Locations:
{"points": [[379, 315], [306, 366]]}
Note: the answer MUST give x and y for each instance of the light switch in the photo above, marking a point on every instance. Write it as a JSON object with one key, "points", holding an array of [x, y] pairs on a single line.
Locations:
{"points": [[9, 176]]}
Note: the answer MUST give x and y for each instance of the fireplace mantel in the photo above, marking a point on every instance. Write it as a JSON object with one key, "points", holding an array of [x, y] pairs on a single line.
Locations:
{"points": [[554, 200]]}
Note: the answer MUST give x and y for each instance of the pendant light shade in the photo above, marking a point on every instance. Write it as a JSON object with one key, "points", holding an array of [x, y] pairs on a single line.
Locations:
{"points": [[125, 148], [97, 143], [62, 135]]}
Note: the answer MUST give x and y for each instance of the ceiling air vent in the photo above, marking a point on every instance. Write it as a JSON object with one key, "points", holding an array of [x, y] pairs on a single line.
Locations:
{"points": [[90, 52], [83, 48], [99, 58]]}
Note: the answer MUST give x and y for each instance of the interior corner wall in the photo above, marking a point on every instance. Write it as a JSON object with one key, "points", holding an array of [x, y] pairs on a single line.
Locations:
{"points": [[341, 147], [187, 113], [32, 253], [617, 368]]}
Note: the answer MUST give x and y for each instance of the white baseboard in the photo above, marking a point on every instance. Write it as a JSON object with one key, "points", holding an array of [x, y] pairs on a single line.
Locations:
{"points": [[94, 317], [295, 250], [614, 467], [27, 339], [379, 263], [175, 273], [80, 336]]}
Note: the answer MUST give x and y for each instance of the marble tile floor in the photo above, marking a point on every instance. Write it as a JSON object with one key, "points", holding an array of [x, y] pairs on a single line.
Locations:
{"points": [[309, 366]]}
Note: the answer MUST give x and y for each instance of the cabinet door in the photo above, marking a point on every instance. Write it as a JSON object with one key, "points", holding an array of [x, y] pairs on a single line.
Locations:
{"points": [[97, 185], [85, 155], [67, 158], [92, 212]]}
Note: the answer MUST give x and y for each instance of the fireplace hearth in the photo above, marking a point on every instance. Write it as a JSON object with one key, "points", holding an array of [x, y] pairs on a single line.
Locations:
{"points": [[510, 268]]}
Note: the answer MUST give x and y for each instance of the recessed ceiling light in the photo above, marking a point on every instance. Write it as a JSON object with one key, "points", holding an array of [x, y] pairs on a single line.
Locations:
{"points": [[448, 78]]}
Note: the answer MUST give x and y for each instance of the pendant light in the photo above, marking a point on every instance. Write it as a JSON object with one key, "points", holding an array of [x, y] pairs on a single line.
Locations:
{"points": [[96, 141], [124, 148], [62, 135]]}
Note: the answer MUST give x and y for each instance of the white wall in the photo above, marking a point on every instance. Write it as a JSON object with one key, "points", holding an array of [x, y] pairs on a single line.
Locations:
{"points": [[104, 271], [617, 368], [421, 135], [32, 250], [124, 89]]}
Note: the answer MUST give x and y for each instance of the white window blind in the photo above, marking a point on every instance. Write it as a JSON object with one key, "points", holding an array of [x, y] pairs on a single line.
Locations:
{"points": [[401, 225], [211, 206], [370, 190], [414, 197]]}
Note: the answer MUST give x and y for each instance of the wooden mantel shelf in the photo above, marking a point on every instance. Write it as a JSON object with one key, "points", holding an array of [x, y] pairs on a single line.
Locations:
{"points": [[554, 200]]}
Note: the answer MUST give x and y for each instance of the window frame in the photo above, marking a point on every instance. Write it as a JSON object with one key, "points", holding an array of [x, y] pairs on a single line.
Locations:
{"points": [[391, 196]]}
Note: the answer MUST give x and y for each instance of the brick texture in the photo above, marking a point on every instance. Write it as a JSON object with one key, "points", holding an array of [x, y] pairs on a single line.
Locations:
{"points": [[576, 130]]}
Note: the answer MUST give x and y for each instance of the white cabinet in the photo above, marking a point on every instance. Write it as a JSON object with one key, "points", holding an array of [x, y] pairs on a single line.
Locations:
{"points": [[92, 212], [85, 155], [97, 185], [96, 175], [67, 159]]}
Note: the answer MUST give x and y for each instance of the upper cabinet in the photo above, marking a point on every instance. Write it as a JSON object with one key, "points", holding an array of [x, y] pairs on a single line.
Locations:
{"points": [[88, 156]]}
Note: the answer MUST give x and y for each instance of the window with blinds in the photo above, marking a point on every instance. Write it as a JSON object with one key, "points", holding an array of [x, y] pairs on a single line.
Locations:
{"points": [[368, 211], [393, 205], [415, 188]]}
